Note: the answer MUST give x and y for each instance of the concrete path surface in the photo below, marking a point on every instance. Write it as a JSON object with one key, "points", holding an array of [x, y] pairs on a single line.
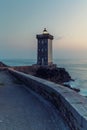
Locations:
{"points": [[23, 110]]}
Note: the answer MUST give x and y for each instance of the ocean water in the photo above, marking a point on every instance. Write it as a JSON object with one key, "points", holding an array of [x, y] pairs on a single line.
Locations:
{"points": [[77, 68], [78, 71]]}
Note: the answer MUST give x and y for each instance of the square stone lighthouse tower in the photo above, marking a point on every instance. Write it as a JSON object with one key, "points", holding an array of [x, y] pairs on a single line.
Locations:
{"points": [[44, 48]]}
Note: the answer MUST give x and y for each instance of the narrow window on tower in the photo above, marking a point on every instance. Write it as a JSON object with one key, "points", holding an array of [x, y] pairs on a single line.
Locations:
{"points": [[42, 42], [42, 49], [45, 40], [38, 41]]}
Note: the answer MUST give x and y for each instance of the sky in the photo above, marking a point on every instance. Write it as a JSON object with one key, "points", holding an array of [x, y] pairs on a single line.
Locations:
{"points": [[21, 20]]}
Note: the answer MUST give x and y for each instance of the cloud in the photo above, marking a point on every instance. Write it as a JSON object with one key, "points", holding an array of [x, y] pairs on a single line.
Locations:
{"points": [[58, 37]]}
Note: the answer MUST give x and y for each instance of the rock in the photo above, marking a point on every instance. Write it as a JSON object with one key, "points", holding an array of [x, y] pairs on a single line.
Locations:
{"points": [[58, 75], [75, 89]]}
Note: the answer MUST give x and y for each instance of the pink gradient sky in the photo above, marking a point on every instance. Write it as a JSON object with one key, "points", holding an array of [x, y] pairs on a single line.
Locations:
{"points": [[21, 20]]}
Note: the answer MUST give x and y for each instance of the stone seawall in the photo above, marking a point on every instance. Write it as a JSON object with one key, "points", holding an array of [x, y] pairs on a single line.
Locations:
{"points": [[72, 106]]}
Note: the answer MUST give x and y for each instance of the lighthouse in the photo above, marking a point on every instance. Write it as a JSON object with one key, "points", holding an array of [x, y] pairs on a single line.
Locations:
{"points": [[44, 48]]}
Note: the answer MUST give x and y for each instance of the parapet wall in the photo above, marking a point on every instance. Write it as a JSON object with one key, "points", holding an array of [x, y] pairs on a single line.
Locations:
{"points": [[72, 106]]}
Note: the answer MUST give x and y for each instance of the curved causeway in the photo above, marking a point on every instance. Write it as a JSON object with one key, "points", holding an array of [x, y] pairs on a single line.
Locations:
{"points": [[24, 110]]}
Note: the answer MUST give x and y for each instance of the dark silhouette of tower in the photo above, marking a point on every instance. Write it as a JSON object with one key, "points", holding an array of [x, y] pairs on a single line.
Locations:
{"points": [[44, 48]]}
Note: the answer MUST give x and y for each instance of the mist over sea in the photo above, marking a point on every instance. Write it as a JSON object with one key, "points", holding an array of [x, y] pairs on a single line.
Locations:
{"points": [[77, 68]]}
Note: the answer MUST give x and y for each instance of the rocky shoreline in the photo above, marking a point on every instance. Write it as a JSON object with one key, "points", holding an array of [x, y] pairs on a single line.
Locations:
{"points": [[54, 74], [57, 75]]}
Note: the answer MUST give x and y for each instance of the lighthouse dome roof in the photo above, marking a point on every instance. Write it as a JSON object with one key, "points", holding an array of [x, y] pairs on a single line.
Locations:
{"points": [[45, 31]]}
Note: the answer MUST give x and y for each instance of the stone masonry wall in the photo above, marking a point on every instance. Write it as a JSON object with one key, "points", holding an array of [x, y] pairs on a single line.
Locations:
{"points": [[72, 106]]}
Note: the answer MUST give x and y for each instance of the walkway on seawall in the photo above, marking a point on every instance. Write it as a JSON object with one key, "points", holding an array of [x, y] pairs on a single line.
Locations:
{"points": [[24, 110]]}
